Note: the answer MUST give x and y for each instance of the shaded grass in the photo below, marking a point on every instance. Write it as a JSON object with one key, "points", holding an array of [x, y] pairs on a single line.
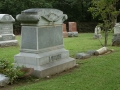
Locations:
{"points": [[95, 73]]}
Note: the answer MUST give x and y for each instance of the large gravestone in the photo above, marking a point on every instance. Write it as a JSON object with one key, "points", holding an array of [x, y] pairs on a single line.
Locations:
{"points": [[7, 38], [116, 36], [42, 42]]}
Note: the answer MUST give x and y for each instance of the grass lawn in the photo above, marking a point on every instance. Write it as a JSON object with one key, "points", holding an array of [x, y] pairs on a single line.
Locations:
{"points": [[95, 73]]}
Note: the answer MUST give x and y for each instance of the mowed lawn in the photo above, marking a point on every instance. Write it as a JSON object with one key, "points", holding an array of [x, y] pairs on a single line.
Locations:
{"points": [[95, 73]]}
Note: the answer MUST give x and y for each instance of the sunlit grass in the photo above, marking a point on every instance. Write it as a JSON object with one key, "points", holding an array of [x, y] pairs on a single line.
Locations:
{"points": [[95, 73]]}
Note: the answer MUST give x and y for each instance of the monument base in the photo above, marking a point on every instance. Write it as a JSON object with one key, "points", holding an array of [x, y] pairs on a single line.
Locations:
{"points": [[8, 43], [116, 40], [46, 64]]}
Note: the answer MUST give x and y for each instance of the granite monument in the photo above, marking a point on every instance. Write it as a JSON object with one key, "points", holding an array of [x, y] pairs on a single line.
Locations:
{"points": [[42, 45]]}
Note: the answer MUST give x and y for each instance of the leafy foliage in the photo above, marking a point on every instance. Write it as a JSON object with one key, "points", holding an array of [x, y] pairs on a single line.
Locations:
{"points": [[7, 68], [107, 13]]}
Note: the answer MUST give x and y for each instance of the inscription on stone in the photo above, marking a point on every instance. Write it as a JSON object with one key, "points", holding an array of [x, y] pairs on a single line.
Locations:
{"points": [[54, 58], [6, 29], [8, 37]]}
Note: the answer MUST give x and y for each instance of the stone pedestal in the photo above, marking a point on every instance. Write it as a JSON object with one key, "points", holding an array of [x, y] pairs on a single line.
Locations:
{"points": [[72, 29], [116, 36], [65, 33], [42, 42], [7, 38]]}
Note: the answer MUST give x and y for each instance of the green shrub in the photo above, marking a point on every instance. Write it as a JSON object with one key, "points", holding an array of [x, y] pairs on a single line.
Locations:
{"points": [[7, 68]]}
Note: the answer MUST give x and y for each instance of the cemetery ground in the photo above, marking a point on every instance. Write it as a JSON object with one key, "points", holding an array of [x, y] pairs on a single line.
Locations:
{"points": [[95, 73]]}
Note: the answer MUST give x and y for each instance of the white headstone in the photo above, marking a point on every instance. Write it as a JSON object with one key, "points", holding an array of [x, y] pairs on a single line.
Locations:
{"points": [[116, 36], [117, 28], [97, 32]]}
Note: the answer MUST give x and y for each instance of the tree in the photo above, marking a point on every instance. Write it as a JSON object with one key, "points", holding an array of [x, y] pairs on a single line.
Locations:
{"points": [[106, 11]]}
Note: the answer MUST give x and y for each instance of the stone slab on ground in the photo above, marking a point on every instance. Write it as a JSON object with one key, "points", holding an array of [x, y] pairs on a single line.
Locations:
{"points": [[82, 55], [91, 52]]}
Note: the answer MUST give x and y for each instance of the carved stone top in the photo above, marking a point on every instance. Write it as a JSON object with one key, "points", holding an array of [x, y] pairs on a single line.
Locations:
{"points": [[6, 18], [41, 16]]}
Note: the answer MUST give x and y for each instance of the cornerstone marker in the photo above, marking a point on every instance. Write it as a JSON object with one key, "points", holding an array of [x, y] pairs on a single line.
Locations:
{"points": [[42, 42]]}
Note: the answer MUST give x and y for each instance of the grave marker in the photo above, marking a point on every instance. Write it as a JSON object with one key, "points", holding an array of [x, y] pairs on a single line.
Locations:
{"points": [[116, 36], [7, 38], [42, 42], [97, 33], [72, 29]]}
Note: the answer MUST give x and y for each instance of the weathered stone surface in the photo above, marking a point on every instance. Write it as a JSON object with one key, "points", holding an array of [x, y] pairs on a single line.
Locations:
{"points": [[41, 16], [116, 36], [72, 26], [97, 33], [72, 29], [41, 39], [75, 34], [72, 34], [117, 28], [6, 18], [3, 80], [7, 38], [116, 40], [82, 55], [42, 42], [91, 52], [102, 50]]}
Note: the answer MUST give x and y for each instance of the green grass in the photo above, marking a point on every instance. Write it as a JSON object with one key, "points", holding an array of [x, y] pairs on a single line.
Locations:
{"points": [[95, 73]]}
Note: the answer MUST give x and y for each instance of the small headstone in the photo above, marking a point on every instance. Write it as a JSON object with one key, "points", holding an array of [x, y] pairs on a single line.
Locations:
{"points": [[116, 36], [72, 29], [82, 55], [42, 42], [97, 33], [65, 33], [7, 38]]}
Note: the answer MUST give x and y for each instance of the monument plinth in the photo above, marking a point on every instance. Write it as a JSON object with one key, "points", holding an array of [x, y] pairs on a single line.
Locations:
{"points": [[42, 42], [7, 38]]}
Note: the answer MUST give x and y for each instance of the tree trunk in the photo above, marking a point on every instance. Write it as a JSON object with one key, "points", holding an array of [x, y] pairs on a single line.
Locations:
{"points": [[106, 37]]}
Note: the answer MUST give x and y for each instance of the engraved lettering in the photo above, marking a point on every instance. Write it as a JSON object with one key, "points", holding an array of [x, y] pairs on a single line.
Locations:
{"points": [[54, 58]]}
